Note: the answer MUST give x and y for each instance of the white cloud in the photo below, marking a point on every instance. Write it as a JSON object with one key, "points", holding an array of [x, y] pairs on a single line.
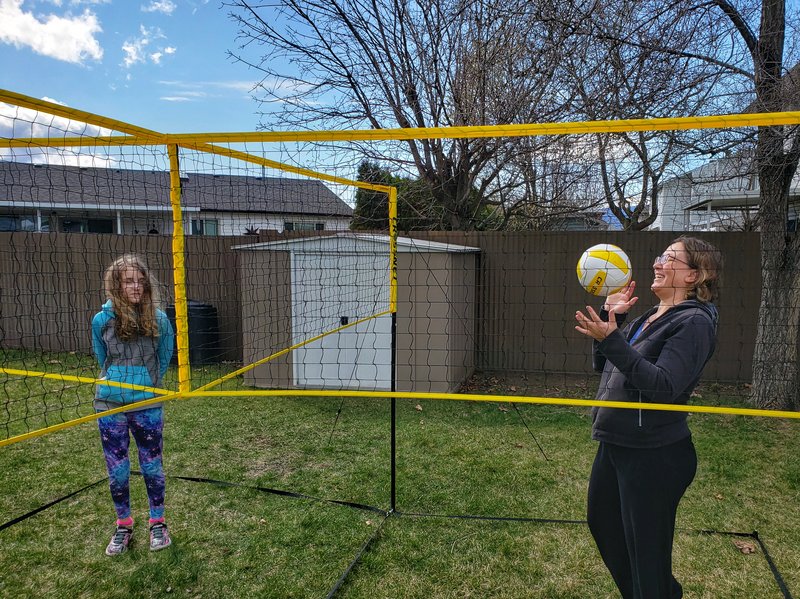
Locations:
{"points": [[157, 56], [239, 86], [52, 101], [136, 49], [165, 6], [59, 156], [194, 5], [185, 96], [23, 123], [190, 91], [67, 38], [17, 122], [194, 94]]}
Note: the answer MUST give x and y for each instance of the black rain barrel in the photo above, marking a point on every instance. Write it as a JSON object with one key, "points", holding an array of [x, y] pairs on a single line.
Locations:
{"points": [[203, 333]]}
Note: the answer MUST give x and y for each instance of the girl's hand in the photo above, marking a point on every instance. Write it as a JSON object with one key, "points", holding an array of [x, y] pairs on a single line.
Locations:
{"points": [[621, 301], [591, 325]]}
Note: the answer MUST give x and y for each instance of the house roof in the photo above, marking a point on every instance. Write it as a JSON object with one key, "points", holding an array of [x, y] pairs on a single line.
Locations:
{"points": [[48, 185], [737, 201], [725, 184], [583, 221]]}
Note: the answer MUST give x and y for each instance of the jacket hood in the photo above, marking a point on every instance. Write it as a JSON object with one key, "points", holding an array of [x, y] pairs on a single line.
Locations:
{"points": [[108, 307], [707, 307]]}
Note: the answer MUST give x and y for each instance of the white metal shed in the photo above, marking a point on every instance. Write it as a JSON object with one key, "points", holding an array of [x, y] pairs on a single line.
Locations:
{"points": [[299, 289]]}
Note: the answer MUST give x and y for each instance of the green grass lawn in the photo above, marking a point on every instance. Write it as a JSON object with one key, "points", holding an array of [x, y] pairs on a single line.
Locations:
{"points": [[453, 458]]}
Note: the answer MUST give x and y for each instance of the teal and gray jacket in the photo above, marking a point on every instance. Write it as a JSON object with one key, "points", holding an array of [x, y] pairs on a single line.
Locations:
{"points": [[140, 361]]}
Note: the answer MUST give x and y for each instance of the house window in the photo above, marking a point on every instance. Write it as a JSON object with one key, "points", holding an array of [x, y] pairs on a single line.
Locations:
{"points": [[301, 226], [87, 225], [11, 222], [204, 227]]}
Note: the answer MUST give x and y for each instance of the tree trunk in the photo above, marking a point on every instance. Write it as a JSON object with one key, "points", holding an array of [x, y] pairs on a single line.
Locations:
{"points": [[775, 367]]}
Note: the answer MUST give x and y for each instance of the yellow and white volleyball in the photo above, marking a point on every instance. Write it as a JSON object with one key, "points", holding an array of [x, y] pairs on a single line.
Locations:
{"points": [[604, 269]]}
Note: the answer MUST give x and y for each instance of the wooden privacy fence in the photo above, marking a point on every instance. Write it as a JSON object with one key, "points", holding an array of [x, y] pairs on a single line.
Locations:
{"points": [[51, 285], [526, 291]]}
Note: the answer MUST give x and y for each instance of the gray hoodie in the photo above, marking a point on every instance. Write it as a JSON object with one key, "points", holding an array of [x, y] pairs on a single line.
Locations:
{"points": [[140, 361], [663, 364]]}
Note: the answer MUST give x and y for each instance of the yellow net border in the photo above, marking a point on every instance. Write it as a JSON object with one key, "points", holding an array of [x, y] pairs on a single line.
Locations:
{"points": [[204, 142]]}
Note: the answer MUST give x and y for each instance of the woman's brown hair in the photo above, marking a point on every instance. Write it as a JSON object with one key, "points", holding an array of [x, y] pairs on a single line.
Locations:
{"points": [[132, 319]]}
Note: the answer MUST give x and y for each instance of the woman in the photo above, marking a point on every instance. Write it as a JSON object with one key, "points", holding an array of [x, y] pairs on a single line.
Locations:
{"points": [[133, 342], [646, 459]]}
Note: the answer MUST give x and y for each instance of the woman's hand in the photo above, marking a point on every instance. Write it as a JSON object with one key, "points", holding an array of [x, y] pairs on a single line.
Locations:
{"points": [[592, 326], [621, 301]]}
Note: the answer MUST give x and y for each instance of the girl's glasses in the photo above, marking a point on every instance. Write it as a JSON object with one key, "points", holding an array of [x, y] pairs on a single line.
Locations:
{"points": [[664, 258]]}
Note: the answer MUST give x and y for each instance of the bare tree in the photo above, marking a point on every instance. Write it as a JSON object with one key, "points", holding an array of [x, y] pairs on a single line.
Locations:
{"points": [[655, 58], [417, 63], [775, 365], [644, 59]]}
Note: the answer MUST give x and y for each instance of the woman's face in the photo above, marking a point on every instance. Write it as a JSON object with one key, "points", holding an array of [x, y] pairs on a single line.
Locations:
{"points": [[133, 284], [672, 273]]}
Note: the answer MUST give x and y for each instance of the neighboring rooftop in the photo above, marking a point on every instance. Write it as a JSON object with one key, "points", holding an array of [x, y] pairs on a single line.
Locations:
{"points": [[48, 185]]}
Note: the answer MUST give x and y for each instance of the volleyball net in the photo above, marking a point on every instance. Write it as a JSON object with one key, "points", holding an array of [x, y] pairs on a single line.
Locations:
{"points": [[281, 279]]}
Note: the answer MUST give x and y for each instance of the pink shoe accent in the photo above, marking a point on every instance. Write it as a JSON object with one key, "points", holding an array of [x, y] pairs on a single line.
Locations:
{"points": [[127, 522]]}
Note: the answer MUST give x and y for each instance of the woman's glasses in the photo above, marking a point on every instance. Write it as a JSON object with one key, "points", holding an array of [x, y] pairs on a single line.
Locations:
{"points": [[664, 258]]}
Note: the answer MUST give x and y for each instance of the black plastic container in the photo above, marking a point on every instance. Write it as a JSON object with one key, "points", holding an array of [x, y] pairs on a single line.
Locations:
{"points": [[203, 333]]}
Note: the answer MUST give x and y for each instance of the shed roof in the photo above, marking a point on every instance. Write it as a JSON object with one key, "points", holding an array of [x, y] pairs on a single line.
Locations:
{"points": [[355, 242]]}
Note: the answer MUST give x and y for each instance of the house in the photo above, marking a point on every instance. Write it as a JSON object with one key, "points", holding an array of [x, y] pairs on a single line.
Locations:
{"points": [[722, 195], [72, 199], [580, 221]]}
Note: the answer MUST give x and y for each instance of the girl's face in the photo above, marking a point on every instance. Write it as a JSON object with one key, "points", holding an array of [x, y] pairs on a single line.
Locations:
{"points": [[133, 284]]}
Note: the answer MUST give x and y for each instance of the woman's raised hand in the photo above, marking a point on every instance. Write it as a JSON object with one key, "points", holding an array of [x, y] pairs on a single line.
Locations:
{"points": [[621, 301]]}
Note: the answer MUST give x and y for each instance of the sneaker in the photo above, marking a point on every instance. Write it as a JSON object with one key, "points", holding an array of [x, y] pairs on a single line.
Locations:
{"points": [[159, 537], [120, 541]]}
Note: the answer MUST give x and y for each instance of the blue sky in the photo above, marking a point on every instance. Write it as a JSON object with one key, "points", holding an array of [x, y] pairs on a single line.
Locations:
{"points": [[159, 64]]}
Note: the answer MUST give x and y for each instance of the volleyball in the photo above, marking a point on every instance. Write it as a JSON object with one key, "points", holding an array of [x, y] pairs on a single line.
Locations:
{"points": [[604, 269]]}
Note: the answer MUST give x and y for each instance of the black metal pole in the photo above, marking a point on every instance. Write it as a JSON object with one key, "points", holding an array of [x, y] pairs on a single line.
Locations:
{"points": [[393, 444]]}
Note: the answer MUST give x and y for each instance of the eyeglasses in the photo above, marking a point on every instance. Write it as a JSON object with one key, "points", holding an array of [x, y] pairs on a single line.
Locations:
{"points": [[664, 258]]}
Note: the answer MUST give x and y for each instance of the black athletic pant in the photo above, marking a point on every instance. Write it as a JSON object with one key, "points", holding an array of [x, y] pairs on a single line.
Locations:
{"points": [[633, 499]]}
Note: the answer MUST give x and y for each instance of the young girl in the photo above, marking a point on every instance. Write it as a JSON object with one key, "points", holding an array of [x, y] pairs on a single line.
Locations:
{"points": [[133, 342]]}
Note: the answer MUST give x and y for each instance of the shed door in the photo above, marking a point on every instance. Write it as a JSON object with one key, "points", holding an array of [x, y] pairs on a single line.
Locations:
{"points": [[327, 288]]}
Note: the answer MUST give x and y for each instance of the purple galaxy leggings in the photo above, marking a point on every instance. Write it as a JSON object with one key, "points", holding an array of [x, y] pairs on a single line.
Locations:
{"points": [[146, 426]]}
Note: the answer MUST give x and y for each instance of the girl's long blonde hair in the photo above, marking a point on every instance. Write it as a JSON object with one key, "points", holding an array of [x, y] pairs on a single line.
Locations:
{"points": [[132, 320]]}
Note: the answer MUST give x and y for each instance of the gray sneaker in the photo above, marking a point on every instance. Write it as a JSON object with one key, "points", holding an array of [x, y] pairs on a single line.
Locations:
{"points": [[159, 537], [120, 541]]}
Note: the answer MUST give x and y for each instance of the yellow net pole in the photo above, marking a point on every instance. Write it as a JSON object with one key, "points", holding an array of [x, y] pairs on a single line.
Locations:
{"points": [[179, 271], [393, 249]]}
